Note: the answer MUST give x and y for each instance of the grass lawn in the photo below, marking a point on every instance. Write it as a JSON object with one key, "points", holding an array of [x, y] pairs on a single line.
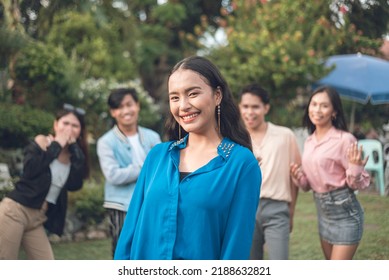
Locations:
{"points": [[304, 244]]}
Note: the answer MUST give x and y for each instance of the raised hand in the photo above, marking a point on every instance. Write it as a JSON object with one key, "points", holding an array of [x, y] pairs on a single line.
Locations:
{"points": [[355, 154], [63, 137]]}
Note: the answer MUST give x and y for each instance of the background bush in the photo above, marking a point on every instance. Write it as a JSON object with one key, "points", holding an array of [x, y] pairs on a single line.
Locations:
{"points": [[19, 123], [87, 204], [5, 189]]}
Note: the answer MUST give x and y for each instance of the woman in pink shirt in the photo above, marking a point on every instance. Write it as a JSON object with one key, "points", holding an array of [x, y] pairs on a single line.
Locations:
{"points": [[333, 167]]}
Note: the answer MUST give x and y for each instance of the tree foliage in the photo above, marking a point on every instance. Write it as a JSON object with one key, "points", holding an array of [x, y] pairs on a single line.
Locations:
{"points": [[19, 124], [166, 34], [43, 77], [282, 45], [93, 46], [370, 18]]}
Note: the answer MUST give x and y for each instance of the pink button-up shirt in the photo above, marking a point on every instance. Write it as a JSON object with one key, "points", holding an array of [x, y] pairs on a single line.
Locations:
{"points": [[325, 163]]}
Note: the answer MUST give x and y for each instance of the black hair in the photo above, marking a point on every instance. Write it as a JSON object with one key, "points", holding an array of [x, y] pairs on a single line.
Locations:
{"points": [[117, 95], [256, 90]]}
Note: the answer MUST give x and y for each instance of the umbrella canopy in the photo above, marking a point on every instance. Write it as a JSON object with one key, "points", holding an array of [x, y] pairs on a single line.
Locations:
{"points": [[358, 77]]}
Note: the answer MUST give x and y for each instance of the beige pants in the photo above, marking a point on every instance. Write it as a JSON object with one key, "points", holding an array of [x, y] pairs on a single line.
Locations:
{"points": [[23, 226]]}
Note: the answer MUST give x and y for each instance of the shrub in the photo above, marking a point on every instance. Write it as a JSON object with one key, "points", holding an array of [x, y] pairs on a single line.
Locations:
{"points": [[87, 204], [5, 187], [20, 123], [44, 76]]}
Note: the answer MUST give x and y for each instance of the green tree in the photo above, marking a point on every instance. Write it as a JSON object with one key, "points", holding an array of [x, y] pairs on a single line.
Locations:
{"points": [[95, 46], [121, 39], [279, 42], [19, 124], [369, 17], [165, 34], [282, 44], [43, 77], [11, 43], [37, 16]]}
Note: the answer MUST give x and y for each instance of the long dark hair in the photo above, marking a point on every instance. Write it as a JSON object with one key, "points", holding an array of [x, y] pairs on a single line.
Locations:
{"points": [[82, 139], [231, 125], [339, 121]]}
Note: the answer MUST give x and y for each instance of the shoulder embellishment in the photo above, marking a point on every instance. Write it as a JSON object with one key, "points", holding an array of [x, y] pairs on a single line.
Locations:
{"points": [[178, 142], [226, 148]]}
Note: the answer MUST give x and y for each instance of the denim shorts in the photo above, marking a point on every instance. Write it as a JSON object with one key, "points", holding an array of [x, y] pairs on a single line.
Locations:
{"points": [[340, 216]]}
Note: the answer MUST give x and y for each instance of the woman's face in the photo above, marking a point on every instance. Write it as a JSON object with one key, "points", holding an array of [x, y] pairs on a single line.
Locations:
{"points": [[253, 110], [320, 110], [68, 124], [192, 101]]}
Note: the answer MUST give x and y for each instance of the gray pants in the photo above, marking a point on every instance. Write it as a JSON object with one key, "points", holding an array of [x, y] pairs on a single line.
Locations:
{"points": [[272, 228]]}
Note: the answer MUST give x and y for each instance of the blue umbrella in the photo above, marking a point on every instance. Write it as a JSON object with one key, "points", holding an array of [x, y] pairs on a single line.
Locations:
{"points": [[358, 77]]}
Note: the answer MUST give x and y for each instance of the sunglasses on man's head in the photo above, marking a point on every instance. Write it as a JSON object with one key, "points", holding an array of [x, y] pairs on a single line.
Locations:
{"points": [[71, 108]]}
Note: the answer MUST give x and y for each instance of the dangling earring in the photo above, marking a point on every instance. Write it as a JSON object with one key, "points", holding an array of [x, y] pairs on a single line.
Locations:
{"points": [[218, 117]]}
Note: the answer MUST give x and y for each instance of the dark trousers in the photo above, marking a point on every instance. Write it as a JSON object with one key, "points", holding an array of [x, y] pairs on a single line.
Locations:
{"points": [[116, 218]]}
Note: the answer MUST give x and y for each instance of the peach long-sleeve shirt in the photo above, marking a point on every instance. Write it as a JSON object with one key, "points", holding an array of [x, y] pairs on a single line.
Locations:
{"points": [[325, 163], [278, 150]]}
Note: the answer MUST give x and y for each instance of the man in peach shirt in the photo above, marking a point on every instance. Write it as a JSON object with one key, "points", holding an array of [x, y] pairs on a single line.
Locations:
{"points": [[275, 148]]}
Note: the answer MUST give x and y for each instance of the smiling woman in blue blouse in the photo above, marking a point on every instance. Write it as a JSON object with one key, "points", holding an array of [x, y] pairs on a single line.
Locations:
{"points": [[197, 195]]}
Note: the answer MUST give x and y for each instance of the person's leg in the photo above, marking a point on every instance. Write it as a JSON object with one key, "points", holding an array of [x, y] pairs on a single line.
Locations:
{"points": [[116, 219], [343, 252], [256, 252], [37, 245], [11, 229], [277, 229], [326, 248], [35, 242], [323, 202]]}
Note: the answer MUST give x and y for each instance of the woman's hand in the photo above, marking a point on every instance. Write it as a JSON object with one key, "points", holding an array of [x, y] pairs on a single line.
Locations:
{"points": [[49, 138], [354, 155], [295, 171], [71, 140], [63, 137], [298, 177]]}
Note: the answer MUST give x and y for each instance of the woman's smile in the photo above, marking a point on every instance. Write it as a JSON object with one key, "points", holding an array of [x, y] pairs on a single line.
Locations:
{"points": [[189, 118]]}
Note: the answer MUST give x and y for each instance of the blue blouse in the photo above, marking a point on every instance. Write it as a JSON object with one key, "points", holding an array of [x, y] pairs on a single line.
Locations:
{"points": [[210, 214]]}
